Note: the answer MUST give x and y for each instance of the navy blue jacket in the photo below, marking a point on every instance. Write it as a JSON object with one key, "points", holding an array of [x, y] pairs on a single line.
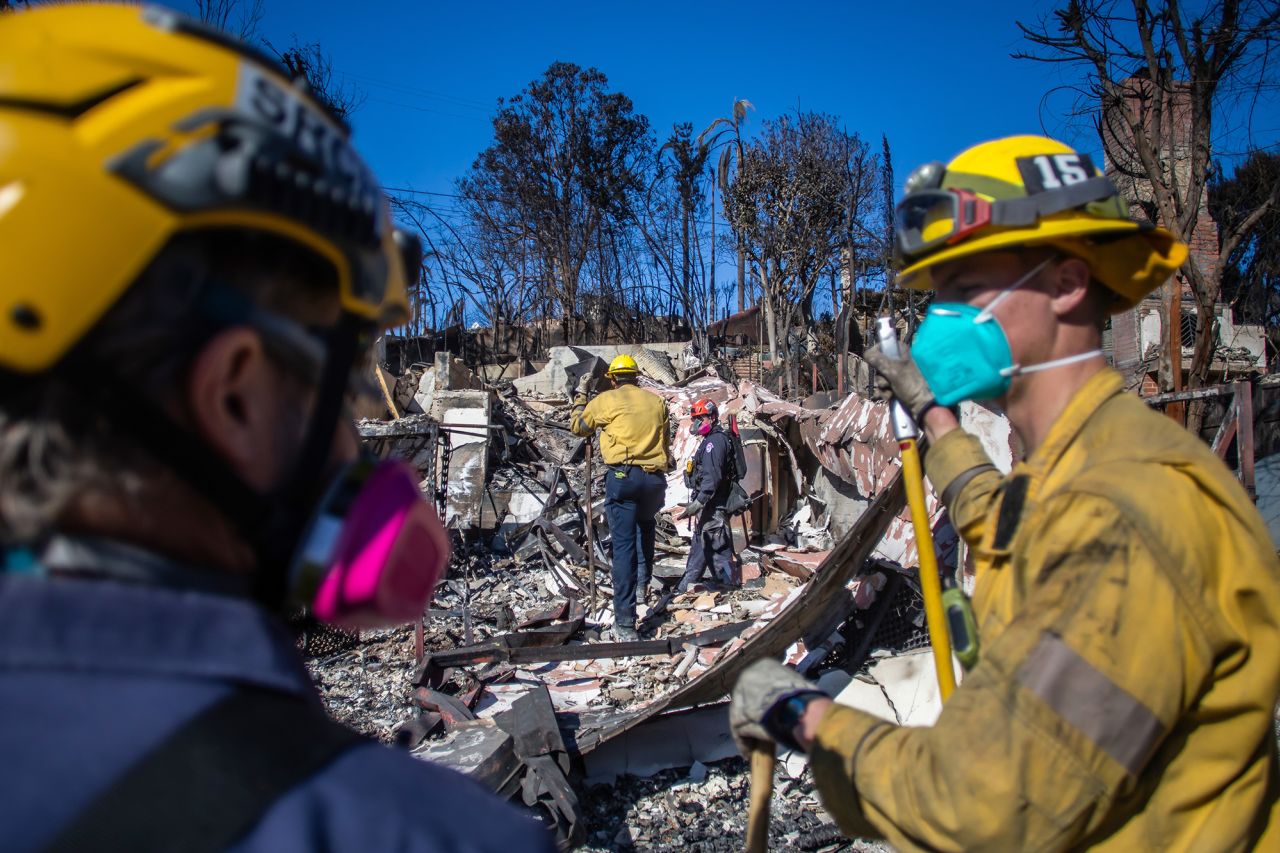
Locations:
{"points": [[94, 673], [712, 464]]}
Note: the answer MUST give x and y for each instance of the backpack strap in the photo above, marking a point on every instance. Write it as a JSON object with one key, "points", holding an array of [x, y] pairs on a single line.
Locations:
{"points": [[208, 783], [736, 451]]}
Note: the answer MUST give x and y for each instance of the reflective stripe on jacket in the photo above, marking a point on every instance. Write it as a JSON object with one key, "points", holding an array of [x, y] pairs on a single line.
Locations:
{"points": [[632, 424], [1128, 603]]}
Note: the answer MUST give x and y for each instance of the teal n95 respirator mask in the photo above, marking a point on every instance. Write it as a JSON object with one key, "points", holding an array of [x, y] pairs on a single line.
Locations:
{"points": [[963, 353]]}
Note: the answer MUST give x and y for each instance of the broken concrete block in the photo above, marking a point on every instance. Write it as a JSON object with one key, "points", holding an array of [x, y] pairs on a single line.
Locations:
{"points": [[904, 689], [867, 697], [655, 365], [464, 417], [652, 359], [445, 374], [478, 749], [424, 398]]}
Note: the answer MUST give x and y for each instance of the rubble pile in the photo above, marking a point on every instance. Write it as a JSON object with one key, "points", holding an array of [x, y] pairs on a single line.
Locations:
{"points": [[513, 677], [363, 683], [703, 809]]}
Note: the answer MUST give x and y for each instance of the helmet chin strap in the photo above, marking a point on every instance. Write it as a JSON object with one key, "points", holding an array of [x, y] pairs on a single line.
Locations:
{"points": [[271, 523]]}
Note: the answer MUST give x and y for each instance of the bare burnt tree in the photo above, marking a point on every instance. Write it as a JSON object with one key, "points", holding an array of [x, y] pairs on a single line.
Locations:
{"points": [[234, 17], [669, 223], [308, 61], [726, 134], [1251, 277], [790, 207], [1156, 77], [564, 168], [438, 293]]}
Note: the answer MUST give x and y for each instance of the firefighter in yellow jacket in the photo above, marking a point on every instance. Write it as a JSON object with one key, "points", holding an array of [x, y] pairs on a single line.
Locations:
{"points": [[636, 451], [1127, 593]]}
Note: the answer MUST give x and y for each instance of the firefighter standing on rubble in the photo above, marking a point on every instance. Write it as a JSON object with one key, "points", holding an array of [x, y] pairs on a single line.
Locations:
{"points": [[195, 261], [1127, 592], [635, 447], [708, 478]]}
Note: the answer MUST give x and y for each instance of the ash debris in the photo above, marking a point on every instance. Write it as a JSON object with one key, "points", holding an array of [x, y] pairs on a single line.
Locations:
{"points": [[703, 809]]}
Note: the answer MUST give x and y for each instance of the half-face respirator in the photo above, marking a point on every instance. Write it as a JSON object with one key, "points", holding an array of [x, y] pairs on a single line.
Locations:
{"points": [[373, 550]]}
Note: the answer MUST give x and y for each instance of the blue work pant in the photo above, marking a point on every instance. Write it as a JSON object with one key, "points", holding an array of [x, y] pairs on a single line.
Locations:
{"points": [[712, 542], [632, 500]]}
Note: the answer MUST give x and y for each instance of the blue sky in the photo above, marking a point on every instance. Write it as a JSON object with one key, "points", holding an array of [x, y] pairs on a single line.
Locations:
{"points": [[934, 76]]}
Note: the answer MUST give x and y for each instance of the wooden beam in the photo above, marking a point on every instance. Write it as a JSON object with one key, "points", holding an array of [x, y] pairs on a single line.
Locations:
{"points": [[1226, 432], [1185, 396], [386, 392], [1271, 380]]}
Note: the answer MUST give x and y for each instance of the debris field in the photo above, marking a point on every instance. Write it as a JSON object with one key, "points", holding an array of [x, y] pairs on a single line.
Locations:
{"points": [[512, 676]]}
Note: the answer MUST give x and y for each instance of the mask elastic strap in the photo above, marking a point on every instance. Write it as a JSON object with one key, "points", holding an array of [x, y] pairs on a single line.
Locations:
{"points": [[308, 478], [986, 313], [1049, 365]]}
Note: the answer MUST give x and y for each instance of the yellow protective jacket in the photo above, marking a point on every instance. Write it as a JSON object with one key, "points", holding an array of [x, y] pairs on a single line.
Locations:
{"points": [[632, 424], [1128, 599]]}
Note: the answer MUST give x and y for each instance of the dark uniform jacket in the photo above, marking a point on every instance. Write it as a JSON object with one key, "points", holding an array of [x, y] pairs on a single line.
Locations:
{"points": [[712, 464], [94, 673]]}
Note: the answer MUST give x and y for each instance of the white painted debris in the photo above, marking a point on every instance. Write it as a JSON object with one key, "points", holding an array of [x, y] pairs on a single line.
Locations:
{"points": [[903, 689]]}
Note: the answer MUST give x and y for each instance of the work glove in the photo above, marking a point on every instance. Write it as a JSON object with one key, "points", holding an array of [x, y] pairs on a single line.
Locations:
{"points": [[692, 509], [761, 688], [900, 379], [585, 383]]}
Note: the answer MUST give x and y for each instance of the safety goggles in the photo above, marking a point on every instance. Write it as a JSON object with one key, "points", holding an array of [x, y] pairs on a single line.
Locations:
{"points": [[929, 218]]}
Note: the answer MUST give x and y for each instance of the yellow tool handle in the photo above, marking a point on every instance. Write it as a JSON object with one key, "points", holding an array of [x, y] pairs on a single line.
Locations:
{"points": [[930, 585], [762, 761], [591, 536]]}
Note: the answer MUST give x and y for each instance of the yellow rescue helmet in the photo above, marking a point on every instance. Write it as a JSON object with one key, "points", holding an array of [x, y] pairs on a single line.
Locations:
{"points": [[121, 126], [623, 365], [1023, 191]]}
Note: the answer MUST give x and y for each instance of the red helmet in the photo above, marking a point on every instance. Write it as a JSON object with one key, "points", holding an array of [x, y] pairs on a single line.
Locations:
{"points": [[705, 408]]}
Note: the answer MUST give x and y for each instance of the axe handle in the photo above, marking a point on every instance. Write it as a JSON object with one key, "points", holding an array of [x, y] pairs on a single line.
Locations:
{"points": [[591, 537], [762, 761]]}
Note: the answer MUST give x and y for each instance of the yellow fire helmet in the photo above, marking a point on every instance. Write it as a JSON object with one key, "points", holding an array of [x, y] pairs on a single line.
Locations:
{"points": [[1029, 190], [121, 126], [623, 365]]}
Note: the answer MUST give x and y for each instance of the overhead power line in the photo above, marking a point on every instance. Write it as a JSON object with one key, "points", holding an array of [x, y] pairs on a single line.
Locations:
{"points": [[424, 93], [425, 109], [719, 223]]}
